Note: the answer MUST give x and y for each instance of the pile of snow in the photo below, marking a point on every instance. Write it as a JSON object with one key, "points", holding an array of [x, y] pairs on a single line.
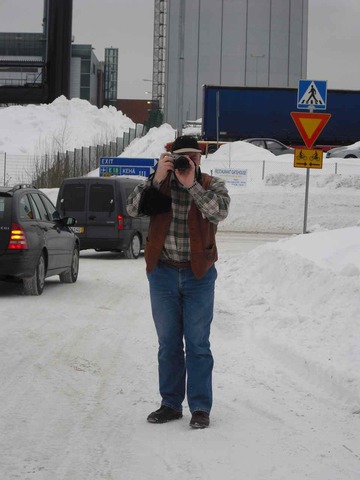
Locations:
{"points": [[305, 306], [152, 144], [240, 151], [59, 126]]}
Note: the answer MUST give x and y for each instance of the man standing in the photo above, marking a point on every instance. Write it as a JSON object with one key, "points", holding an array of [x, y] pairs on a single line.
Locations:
{"points": [[185, 207]]}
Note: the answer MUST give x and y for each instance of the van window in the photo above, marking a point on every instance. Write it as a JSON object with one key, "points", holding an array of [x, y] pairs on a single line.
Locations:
{"points": [[101, 198], [73, 198]]}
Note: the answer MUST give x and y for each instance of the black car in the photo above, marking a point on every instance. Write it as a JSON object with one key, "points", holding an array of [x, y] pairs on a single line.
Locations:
{"points": [[35, 243]]}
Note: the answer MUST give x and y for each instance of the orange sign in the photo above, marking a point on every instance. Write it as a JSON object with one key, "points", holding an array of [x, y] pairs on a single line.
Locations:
{"points": [[310, 125], [304, 158]]}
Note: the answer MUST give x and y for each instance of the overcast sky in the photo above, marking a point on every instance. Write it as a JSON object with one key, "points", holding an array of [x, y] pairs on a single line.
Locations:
{"points": [[333, 42]]}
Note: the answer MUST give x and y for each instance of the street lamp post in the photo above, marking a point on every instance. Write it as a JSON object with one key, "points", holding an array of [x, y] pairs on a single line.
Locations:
{"points": [[180, 79], [150, 81], [155, 115]]}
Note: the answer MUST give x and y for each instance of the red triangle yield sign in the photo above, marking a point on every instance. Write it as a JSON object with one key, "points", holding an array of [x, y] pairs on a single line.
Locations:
{"points": [[310, 125]]}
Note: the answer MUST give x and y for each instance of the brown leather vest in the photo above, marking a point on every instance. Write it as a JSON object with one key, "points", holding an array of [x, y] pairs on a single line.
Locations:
{"points": [[201, 233]]}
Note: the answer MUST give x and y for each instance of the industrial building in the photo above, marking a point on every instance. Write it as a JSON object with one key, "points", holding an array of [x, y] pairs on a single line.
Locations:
{"points": [[38, 67], [225, 42], [22, 69]]}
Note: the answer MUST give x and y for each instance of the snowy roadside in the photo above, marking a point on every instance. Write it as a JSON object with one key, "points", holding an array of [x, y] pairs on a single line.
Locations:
{"points": [[79, 372]]}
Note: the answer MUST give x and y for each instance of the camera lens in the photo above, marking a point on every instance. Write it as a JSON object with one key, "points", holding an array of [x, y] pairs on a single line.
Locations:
{"points": [[181, 163]]}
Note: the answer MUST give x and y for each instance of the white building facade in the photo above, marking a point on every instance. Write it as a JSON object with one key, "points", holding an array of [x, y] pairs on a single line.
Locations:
{"points": [[230, 43]]}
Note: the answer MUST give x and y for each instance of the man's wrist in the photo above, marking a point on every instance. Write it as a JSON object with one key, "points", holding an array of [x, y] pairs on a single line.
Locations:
{"points": [[155, 183]]}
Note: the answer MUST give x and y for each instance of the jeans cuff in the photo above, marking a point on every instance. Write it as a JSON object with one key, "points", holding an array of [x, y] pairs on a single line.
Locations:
{"points": [[206, 410], [171, 406]]}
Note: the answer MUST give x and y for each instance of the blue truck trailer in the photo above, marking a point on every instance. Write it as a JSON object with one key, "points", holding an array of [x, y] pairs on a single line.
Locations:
{"points": [[236, 113]]}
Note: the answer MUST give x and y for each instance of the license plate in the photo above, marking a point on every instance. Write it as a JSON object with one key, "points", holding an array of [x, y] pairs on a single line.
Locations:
{"points": [[78, 229]]}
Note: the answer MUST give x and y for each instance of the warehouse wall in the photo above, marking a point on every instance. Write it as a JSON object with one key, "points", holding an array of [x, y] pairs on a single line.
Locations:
{"points": [[234, 43]]}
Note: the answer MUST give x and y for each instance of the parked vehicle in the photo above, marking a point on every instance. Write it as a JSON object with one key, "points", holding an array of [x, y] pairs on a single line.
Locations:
{"points": [[274, 146], [351, 151], [236, 113], [99, 206], [35, 243]]}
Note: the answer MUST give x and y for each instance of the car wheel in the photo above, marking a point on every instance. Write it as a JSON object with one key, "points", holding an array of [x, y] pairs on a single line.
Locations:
{"points": [[133, 250], [350, 156], [35, 285], [70, 276]]}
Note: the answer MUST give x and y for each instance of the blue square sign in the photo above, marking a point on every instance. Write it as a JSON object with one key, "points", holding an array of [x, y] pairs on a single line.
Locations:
{"points": [[312, 94]]}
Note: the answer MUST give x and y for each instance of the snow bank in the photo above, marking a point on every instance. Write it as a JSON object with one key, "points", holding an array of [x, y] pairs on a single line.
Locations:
{"points": [[302, 297], [59, 126]]}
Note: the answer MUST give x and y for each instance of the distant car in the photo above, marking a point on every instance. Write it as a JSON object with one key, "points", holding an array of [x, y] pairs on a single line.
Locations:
{"points": [[351, 151], [274, 146], [35, 243]]}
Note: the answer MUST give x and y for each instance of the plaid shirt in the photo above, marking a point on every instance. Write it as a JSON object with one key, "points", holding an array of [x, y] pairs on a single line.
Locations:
{"points": [[212, 203]]}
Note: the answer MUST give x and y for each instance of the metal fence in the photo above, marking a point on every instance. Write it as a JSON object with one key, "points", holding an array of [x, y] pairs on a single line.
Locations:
{"points": [[47, 171], [257, 170]]}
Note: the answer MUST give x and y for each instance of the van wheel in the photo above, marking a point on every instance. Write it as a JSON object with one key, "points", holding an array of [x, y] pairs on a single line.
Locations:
{"points": [[71, 275], [35, 285], [133, 250]]}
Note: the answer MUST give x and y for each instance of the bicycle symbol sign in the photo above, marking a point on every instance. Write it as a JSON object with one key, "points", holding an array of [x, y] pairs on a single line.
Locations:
{"points": [[308, 158]]}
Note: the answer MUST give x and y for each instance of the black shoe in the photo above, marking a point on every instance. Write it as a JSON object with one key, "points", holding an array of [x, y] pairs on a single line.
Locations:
{"points": [[200, 419], [163, 415]]}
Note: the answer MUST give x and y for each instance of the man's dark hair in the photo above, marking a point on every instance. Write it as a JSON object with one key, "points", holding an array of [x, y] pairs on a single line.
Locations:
{"points": [[185, 143]]}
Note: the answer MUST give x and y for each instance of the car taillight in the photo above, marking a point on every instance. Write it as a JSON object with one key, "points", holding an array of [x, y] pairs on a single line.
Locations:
{"points": [[120, 224], [17, 238]]}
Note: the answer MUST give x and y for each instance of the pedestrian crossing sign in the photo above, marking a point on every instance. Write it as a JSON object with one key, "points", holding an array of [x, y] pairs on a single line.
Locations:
{"points": [[312, 94]]}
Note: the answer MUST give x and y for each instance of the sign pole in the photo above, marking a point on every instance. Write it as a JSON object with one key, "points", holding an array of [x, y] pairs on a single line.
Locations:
{"points": [[306, 198], [311, 95], [307, 184], [217, 118]]}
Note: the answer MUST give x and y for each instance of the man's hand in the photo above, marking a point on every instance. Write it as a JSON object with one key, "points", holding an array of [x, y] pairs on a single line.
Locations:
{"points": [[187, 177], [164, 166]]}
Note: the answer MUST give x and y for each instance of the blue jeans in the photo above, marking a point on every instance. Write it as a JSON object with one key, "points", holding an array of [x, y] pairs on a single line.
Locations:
{"points": [[182, 308]]}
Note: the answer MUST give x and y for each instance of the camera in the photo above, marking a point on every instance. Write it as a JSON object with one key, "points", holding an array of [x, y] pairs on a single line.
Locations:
{"points": [[181, 163]]}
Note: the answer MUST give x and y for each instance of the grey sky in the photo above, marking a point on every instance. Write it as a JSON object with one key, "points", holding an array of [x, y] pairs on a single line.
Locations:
{"points": [[333, 41]]}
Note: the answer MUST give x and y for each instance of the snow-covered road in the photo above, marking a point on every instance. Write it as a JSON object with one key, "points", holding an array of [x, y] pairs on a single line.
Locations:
{"points": [[79, 376]]}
